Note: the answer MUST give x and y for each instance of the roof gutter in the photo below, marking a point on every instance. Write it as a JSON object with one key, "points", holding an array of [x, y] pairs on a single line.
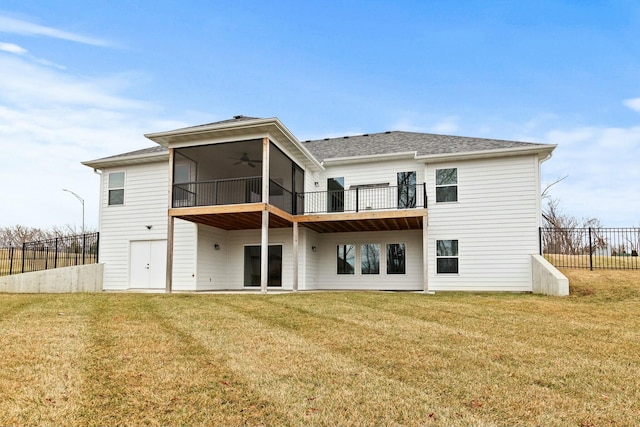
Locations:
{"points": [[544, 150], [129, 160]]}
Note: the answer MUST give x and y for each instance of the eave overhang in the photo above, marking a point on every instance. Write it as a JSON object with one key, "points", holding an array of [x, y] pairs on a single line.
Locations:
{"points": [[271, 128], [542, 151], [162, 156]]}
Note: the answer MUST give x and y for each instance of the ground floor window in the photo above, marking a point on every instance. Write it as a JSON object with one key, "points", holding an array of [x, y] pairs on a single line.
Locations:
{"points": [[370, 258], [447, 256], [346, 259], [396, 258], [252, 265]]}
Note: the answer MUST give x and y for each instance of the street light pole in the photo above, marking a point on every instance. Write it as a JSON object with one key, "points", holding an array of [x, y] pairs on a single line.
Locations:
{"points": [[81, 201]]}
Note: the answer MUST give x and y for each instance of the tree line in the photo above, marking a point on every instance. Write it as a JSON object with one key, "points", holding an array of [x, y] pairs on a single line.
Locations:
{"points": [[571, 235], [16, 235]]}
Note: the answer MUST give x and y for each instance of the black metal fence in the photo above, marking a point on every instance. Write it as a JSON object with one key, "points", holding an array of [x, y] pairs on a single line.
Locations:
{"points": [[593, 248], [47, 254]]}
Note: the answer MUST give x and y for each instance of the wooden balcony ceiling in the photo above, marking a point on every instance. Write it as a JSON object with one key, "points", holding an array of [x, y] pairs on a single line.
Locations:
{"points": [[364, 221], [237, 220], [234, 217], [244, 217]]}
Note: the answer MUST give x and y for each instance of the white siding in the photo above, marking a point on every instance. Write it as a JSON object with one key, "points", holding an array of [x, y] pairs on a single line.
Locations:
{"points": [[212, 263], [309, 260], [328, 278], [376, 172], [184, 255], [495, 221], [145, 204]]}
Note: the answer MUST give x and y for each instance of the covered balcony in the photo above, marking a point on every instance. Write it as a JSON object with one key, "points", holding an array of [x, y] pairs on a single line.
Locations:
{"points": [[232, 191]]}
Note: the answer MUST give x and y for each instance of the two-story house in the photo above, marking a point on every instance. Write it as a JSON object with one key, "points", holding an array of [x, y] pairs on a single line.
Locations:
{"points": [[392, 210]]}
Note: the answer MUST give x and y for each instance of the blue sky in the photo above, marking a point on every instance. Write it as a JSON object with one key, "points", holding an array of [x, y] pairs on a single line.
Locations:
{"points": [[83, 80]]}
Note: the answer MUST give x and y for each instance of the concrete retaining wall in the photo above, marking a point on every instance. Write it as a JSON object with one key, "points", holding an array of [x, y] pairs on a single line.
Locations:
{"points": [[547, 279], [82, 278]]}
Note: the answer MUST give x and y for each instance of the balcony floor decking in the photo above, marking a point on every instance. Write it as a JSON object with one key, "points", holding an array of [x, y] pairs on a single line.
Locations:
{"points": [[388, 220], [249, 216]]}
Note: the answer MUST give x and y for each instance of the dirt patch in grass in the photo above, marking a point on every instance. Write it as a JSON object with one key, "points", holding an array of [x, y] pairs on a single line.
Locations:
{"points": [[325, 358]]}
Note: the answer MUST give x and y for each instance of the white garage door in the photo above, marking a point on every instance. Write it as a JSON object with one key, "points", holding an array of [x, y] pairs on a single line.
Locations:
{"points": [[148, 264]]}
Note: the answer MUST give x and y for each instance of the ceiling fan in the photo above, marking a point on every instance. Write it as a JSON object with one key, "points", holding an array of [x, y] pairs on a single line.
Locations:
{"points": [[246, 160]]}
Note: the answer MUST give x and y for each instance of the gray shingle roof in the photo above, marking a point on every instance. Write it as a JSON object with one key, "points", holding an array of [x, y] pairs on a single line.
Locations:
{"points": [[400, 142], [235, 119], [370, 144], [150, 150]]}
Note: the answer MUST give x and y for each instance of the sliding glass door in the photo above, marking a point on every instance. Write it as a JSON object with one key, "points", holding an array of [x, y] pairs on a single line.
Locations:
{"points": [[252, 266]]}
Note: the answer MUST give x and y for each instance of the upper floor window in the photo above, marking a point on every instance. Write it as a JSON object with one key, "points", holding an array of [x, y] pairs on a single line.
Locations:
{"points": [[116, 188], [447, 185], [447, 256]]}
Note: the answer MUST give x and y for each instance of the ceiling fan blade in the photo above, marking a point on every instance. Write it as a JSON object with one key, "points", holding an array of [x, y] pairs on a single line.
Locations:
{"points": [[251, 164], [237, 163]]}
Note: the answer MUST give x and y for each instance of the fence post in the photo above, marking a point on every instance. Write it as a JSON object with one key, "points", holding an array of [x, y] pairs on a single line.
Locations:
{"points": [[10, 259], [24, 246], [84, 245], [590, 251], [357, 196], [540, 240], [55, 255]]}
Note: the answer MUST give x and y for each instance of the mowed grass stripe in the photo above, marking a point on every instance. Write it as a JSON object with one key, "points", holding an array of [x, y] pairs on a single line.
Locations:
{"points": [[431, 370], [367, 358], [310, 383], [42, 345], [473, 366], [144, 370]]}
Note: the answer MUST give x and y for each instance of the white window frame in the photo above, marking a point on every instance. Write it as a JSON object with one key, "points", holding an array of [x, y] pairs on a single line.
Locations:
{"points": [[353, 255], [456, 256], [110, 189], [362, 253], [446, 185], [386, 253]]}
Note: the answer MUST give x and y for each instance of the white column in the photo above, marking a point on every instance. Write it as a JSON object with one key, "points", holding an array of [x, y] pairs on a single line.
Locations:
{"points": [[264, 247], [295, 256], [264, 252], [170, 221], [425, 253]]}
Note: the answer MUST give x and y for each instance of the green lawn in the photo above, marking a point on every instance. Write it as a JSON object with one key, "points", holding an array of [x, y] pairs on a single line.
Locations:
{"points": [[335, 358]]}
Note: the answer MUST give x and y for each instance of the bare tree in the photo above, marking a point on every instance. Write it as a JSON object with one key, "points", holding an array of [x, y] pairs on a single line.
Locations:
{"points": [[569, 235], [18, 234]]}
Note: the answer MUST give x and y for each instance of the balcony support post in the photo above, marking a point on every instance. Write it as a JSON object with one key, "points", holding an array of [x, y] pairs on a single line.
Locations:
{"points": [[295, 256], [170, 222], [264, 246], [425, 253], [169, 279]]}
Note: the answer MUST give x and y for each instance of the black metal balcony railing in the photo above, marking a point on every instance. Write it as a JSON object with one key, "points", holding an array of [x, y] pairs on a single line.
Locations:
{"points": [[366, 199], [249, 190], [217, 192]]}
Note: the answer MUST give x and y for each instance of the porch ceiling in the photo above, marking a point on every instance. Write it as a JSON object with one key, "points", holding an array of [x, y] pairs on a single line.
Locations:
{"points": [[244, 217], [364, 221], [237, 220]]}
